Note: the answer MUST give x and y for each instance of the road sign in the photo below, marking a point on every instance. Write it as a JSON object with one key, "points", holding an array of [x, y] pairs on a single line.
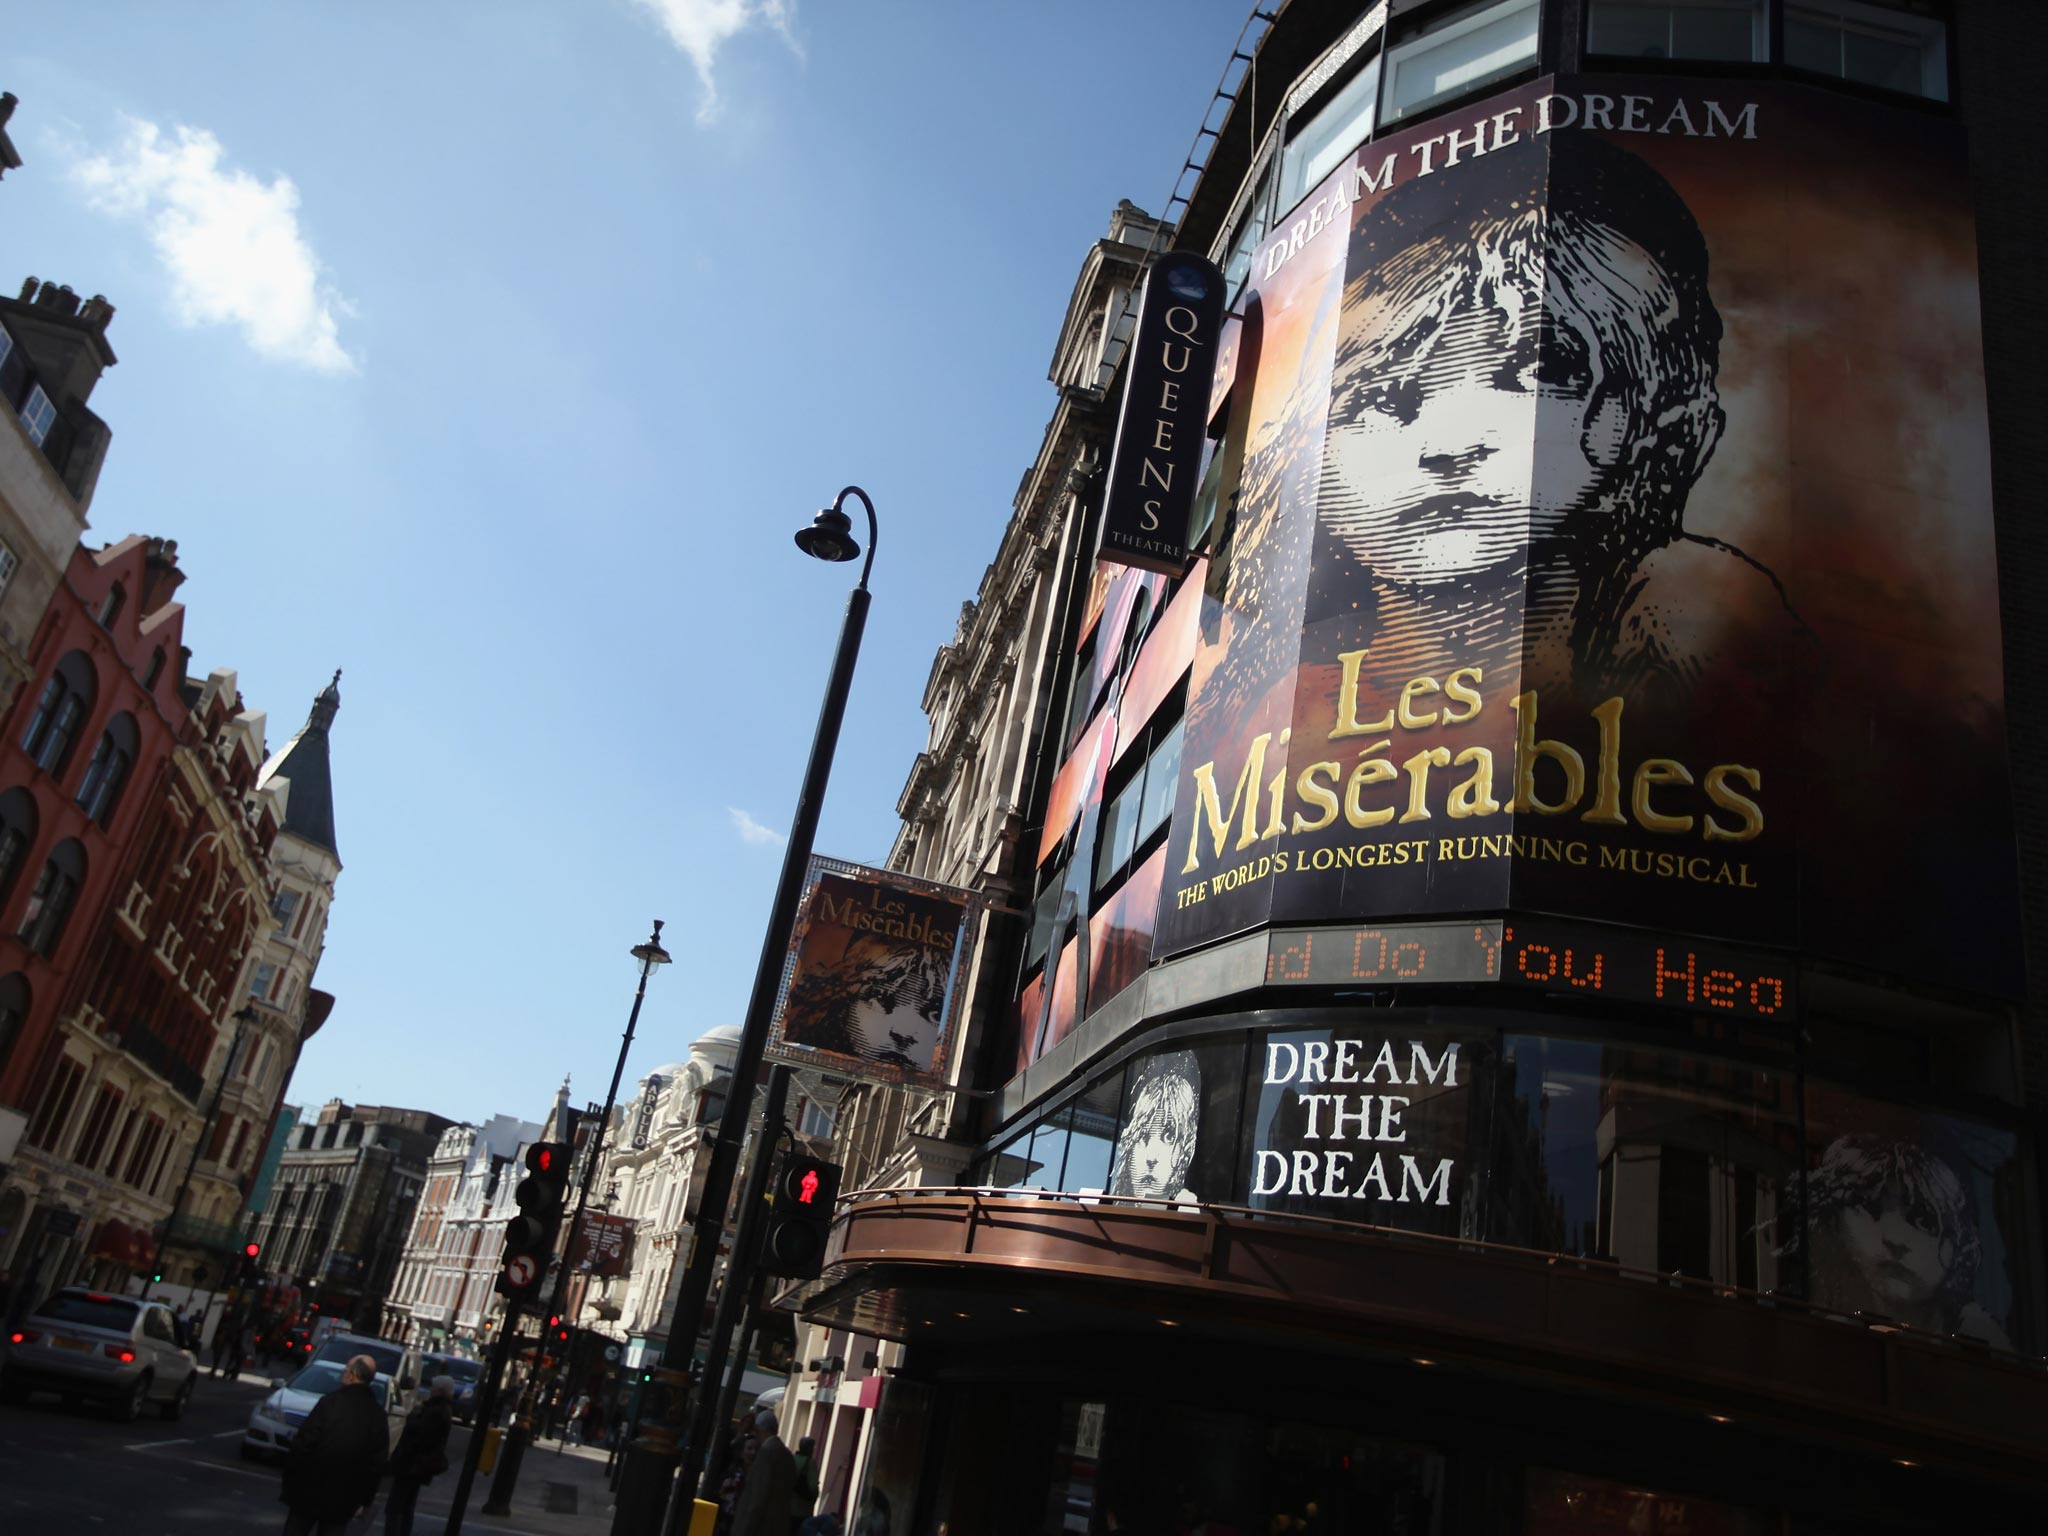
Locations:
{"points": [[521, 1269]]}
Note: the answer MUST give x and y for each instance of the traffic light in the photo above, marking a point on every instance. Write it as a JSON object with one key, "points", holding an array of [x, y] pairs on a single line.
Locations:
{"points": [[530, 1236], [558, 1330], [801, 1217]]}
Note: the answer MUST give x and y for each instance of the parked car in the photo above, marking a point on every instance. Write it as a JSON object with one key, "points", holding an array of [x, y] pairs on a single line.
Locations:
{"points": [[466, 1374], [394, 1359], [274, 1421], [119, 1349]]}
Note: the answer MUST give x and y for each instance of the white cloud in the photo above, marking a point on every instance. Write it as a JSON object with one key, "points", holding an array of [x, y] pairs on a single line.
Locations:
{"points": [[701, 27], [750, 830], [230, 242]]}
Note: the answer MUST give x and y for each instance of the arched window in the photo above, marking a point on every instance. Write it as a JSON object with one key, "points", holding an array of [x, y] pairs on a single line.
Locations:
{"points": [[99, 792], [18, 822], [49, 904], [60, 712], [110, 606], [14, 1001]]}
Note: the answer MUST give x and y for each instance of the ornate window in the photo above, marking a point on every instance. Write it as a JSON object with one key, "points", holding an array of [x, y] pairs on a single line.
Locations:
{"points": [[60, 712], [50, 903], [99, 792]]}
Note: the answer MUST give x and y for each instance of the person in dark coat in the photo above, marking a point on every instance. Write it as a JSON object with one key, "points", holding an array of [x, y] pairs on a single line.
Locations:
{"points": [[421, 1454], [764, 1499], [337, 1457]]}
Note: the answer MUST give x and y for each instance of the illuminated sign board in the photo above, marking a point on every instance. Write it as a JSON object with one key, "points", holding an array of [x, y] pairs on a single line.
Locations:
{"points": [[1575, 959]]}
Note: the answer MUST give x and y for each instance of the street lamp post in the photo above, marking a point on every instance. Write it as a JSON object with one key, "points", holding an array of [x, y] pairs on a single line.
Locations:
{"points": [[243, 1016], [650, 957], [644, 1489]]}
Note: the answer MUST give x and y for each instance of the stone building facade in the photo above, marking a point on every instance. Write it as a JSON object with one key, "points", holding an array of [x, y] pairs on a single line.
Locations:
{"points": [[343, 1203], [443, 1291]]}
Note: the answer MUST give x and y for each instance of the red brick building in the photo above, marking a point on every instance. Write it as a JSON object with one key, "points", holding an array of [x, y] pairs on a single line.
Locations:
{"points": [[133, 882]]}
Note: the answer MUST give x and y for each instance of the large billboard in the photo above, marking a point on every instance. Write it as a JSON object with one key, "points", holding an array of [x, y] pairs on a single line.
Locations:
{"points": [[1613, 539]]}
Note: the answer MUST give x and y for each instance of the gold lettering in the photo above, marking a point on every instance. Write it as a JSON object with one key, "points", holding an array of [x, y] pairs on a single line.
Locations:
{"points": [[1728, 800], [1474, 797], [1370, 770], [1654, 771], [1528, 749], [1206, 802]]}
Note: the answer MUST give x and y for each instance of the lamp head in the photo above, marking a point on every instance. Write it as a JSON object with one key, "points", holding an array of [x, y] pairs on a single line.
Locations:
{"points": [[650, 957], [830, 537]]}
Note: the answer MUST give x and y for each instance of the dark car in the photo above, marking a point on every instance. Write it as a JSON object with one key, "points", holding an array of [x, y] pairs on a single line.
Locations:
{"points": [[466, 1374]]}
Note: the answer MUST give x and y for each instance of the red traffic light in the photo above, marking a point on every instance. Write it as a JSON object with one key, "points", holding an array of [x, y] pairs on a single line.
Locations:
{"points": [[252, 1249], [543, 1159], [807, 1187]]}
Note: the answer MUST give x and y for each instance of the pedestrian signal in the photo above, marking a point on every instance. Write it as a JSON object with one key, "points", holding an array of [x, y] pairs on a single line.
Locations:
{"points": [[801, 1217]]}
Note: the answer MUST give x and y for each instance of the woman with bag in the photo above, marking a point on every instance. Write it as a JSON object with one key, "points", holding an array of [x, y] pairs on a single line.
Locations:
{"points": [[421, 1454]]}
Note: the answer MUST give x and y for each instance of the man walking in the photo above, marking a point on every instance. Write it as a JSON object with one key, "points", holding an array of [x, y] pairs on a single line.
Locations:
{"points": [[337, 1458], [764, 1498], [422, 1455]]}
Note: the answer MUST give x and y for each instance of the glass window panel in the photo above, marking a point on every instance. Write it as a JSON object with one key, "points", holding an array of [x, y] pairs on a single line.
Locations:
{"points": [[1891, 62], [1657, 1160], [1812, 44], [1459, 54], [1237, 266], [1010, 1164], [1337, 128], [1119, 833], [1728, 30], [1048, 1154], [1162, 776], [1870, 44], [1091, 1144], [1043, 911]]}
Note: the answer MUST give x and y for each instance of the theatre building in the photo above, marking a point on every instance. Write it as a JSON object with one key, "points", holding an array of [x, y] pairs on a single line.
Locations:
{"points": [[1523, 1019]]}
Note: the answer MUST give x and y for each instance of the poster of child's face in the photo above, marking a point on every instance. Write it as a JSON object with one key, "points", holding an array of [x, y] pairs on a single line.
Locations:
{"points": [[1179, 1126], [1903, 1223], [1584, 498]]}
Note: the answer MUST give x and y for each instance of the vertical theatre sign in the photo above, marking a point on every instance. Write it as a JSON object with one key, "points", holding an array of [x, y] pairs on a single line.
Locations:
{"points": [[869, 988], [1156, 459]]}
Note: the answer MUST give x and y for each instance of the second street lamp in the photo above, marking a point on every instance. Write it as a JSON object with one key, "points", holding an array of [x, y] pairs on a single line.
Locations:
{"points": [[645, 1488]]}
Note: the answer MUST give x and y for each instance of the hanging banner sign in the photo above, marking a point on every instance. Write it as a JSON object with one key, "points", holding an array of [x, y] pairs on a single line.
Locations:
{"points": [[604, 1245], [1156, 460], [869, 988]]}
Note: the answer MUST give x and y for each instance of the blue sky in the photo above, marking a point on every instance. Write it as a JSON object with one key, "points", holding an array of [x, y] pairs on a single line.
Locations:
{"points": [[493, 352]]}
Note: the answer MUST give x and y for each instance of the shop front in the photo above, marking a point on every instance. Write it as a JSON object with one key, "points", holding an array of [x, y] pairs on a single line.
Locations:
{"points": [[1460, 1267]]}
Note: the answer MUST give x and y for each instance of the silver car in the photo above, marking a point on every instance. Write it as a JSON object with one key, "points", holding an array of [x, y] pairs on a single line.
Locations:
{"points": [[119, 1349], [277, 1418]]}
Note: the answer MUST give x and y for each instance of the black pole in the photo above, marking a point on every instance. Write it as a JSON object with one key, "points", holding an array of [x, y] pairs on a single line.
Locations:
{"points": [[719, 1394], [720, 1444], [506, 1479], [641, 1501], [156, 1263], [486, 1410]]}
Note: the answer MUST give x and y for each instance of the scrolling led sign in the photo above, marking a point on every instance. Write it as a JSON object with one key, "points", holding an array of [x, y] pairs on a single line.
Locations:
{"points": [[1577, 959]]}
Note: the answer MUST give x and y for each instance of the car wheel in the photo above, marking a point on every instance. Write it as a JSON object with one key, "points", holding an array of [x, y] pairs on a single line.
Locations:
{"points": [[129, 1408], [175, 1408]]}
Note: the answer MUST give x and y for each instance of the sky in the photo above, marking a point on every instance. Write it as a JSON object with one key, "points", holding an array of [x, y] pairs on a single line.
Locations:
{"points": [[493, 352]]}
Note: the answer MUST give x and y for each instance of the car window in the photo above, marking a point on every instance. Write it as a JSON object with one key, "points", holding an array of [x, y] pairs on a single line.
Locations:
{"points": [[454, 1367], [89, 1310], [157, 1324], [318, 1379], [388, 1356]]}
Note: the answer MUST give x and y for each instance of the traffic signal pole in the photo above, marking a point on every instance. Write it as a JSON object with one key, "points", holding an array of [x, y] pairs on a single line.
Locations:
{"points": [[713, 1407], [486, 1411]]}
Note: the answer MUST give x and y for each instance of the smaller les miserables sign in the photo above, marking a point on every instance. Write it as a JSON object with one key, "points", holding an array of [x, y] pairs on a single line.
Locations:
{"points": [[1157, 456], [869, 986]]}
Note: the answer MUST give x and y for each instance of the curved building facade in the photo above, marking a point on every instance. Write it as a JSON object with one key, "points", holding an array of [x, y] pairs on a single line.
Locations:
{"points": [[1523, 1023]]}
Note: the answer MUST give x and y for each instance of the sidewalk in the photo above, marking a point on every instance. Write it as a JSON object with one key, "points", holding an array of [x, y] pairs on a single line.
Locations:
{"points": [[561, 1492]]}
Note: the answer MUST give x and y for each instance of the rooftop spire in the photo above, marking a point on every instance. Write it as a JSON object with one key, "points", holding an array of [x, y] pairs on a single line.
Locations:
{"points": [[303, 764]]}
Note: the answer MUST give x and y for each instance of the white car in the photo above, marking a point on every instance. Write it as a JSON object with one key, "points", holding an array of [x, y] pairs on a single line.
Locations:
{"points": [[119, 1349], [277, 1418]]}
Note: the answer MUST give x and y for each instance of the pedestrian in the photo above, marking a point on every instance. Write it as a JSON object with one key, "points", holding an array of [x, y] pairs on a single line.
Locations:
{"points": [[763, 1508], [227, 1343], [337, 1458], [803, 1491], [591, 1424], [421, 1455], [181, 1325]]}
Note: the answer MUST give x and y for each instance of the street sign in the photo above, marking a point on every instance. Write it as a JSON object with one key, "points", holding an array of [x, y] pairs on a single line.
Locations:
{"points": [[61, 1223], [521, 1269]]}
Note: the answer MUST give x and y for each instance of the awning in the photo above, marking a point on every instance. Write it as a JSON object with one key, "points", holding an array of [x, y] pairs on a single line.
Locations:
{"points": [[125, 1245]]}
